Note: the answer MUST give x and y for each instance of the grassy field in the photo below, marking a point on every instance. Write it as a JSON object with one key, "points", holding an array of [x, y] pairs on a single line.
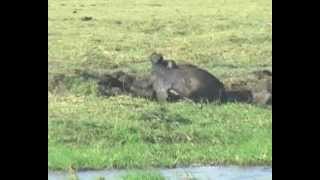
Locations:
{"points": [[226, 37]]}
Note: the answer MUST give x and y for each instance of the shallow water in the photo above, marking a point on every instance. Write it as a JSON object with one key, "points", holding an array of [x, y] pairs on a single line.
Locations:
{"points": [[199, 173]]}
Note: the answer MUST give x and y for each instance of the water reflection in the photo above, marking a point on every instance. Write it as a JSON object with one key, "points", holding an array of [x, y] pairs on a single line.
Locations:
{"points": [[199, 173]]}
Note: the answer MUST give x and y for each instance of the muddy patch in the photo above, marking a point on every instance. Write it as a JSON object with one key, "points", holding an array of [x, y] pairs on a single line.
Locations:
{"points": [[56, 83], [255, 87], [86, 18], [257, 83]]}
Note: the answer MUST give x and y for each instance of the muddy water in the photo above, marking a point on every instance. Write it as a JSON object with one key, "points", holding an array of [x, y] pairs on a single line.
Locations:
{"points": [[199, 173]]}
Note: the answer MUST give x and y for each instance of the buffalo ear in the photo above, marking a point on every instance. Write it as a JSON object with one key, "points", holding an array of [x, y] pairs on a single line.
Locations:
{"points": [[156, 57]]}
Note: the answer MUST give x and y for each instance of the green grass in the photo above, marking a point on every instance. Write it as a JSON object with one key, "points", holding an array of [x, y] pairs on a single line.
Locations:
{"points": [[226, 37], [124, 132]]}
